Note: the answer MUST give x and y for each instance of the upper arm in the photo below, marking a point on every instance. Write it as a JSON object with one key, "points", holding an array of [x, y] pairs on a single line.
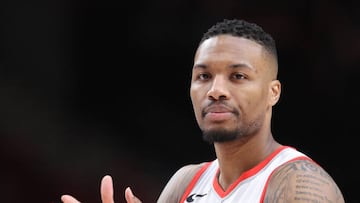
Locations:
{"points": [[177, 184], [302, 181]]}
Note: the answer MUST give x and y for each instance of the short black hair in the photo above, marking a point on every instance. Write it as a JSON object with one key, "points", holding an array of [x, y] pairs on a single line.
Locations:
{"points": [[242, 28]]}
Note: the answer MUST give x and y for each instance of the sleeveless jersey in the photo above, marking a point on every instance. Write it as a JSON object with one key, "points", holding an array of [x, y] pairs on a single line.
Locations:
{"points": [[248, 188]]}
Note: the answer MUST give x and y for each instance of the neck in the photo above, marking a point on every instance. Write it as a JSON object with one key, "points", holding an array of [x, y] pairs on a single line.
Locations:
{"points": [[238, 156]]}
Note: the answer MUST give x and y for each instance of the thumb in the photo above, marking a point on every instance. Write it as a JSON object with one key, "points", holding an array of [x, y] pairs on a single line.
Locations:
{"points": [[130, 197], [107, 190]]}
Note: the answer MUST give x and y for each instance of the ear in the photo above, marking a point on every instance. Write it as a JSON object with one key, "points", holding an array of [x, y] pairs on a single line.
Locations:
{"points": [[275, 91]]}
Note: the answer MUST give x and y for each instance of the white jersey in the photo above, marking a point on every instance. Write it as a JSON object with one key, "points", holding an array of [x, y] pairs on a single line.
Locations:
{"points": [[248, 188]]}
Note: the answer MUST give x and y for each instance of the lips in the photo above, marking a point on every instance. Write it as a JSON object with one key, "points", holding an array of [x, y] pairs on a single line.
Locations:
{"points": [[218, 112], [217, 109]]}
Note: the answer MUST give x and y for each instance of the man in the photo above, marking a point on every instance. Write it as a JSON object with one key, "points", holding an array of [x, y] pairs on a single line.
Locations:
{"points": [[234, 86]]}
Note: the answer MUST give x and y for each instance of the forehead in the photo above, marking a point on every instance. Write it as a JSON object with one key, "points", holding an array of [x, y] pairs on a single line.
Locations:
{"points": [[227, 47]]}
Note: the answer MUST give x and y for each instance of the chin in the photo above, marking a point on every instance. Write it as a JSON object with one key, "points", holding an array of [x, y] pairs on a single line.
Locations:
{"points": [[222, 135]]}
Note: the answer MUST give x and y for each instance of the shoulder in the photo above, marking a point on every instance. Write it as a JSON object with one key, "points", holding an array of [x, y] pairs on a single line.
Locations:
{"points": [[178, 183], [185, 174], [302, 180]]}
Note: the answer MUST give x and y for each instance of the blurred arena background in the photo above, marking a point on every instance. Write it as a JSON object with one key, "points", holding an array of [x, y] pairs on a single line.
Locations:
{"points": [[89, 88]]}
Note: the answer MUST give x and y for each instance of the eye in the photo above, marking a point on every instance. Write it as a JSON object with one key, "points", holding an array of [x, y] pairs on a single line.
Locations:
{"points": [[203, 76], [238, 76]]}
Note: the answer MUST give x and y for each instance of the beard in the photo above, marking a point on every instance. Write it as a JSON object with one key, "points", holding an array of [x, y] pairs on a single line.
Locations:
{"points": [[243, 131], [220, 136]]}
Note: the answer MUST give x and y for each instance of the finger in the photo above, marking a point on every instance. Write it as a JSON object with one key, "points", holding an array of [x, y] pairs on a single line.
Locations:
{"points": [[107, 190], [130, 197], [68, 199]]}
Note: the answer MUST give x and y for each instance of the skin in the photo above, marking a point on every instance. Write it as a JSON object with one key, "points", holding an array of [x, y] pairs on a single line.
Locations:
{"points": [[241, 98], [302, 181], [233, 89], [233, 82], [107, 193]]}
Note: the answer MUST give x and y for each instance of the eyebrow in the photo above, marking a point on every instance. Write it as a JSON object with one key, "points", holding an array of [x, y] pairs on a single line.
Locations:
{"points": [[202, 66], [242, 65], [233, 66]]}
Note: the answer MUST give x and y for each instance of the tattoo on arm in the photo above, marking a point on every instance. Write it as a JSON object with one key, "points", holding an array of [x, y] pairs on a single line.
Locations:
{"points": [[302, 181]]}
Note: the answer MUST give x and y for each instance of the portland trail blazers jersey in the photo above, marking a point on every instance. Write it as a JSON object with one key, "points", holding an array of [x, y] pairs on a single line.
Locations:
{"points": [[248, 188]]}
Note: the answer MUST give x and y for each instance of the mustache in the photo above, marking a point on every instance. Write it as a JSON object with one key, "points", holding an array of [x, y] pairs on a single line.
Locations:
{"points": [[222, 105]]}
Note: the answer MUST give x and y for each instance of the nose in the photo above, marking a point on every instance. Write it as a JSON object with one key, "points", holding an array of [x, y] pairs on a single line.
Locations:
{"points": [[218, 89]]}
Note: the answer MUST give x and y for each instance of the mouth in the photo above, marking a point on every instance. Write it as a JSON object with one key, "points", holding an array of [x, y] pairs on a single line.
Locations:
{"points": [[217, 108], [218, 116], [218, 112]]}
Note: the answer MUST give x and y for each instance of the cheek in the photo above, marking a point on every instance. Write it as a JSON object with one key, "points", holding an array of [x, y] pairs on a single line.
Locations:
{"points": [[252, 101], [196, 103], [194, 96], [260, 102], [197, 111]]}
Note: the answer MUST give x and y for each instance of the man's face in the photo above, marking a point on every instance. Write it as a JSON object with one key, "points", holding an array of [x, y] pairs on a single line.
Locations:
{"points": [[232, 88]]}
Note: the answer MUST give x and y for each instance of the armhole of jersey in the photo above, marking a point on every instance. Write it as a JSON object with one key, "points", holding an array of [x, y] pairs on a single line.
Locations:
{"points": [[193, 181], [267, 181]]}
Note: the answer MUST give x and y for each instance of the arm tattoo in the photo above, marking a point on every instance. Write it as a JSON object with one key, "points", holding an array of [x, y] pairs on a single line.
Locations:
{"points": [[302, 181]]}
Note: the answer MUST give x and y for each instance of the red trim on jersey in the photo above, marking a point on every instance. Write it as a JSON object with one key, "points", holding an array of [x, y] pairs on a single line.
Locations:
{"points": [[267, 181], [193, 181], [244, 175]]}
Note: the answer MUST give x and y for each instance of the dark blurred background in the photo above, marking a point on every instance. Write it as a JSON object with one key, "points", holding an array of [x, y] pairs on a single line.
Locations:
{"points": [[89, 88]]}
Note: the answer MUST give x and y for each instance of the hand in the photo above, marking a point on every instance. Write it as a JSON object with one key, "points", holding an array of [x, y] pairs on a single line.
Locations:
{"points": [[107, 193]]}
